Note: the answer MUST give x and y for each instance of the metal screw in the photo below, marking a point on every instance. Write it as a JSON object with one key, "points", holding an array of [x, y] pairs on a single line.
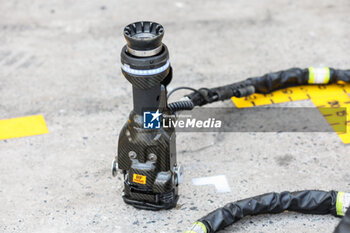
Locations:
{"points": [[132, 154], [114, 168], [152, 157], [179, 174]]}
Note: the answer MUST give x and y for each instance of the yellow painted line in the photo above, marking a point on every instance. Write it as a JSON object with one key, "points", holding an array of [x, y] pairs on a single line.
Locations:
{"points": [[335, 96], [22, 127]]}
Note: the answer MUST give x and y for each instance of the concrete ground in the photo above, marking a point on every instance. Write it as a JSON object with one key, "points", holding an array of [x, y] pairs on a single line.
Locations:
{"points": [[61, 59]]}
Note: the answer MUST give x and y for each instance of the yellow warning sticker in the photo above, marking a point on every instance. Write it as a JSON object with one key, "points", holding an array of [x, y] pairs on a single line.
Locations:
{"points": [[323, 96], [22, 127], [139, 179]]}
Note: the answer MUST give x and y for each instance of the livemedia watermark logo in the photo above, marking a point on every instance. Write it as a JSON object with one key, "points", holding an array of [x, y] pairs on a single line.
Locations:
{"points": [[155, 120], [152, 120], [258, 119]]}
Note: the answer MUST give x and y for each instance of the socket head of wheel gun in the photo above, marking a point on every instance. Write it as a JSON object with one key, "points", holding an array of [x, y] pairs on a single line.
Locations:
{"points": [[144, 39]]}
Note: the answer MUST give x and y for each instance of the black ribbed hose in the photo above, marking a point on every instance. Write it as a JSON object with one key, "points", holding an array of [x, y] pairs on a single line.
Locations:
{"points": [[180, 106], [307, 202], [270, 82], [344, 225]]}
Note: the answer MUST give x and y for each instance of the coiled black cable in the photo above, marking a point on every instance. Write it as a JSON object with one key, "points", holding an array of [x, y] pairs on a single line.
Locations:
{"points": [[344, 225], [182, 88], [307, 201], [181, 105], [270, 82]]}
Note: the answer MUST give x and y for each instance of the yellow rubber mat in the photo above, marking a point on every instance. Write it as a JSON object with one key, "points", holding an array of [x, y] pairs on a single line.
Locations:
{"points": [[334, 96]]}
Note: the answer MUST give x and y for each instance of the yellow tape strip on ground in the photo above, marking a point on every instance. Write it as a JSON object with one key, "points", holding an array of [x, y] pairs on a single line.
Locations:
{"points": [[22, 127], [323, 96]]}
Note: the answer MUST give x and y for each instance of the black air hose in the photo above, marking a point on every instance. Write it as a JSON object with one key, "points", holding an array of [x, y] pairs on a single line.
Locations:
{"points": [[181, 105], [344, 225], [307, 202], [270, 82]]}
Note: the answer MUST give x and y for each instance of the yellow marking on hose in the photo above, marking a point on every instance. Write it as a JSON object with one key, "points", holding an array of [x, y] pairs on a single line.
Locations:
{"points": [[22, 127], [202, 226], [339, 204], [311, 75], [319, 75], [194, 229], [323, 96], [328, 75]]}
